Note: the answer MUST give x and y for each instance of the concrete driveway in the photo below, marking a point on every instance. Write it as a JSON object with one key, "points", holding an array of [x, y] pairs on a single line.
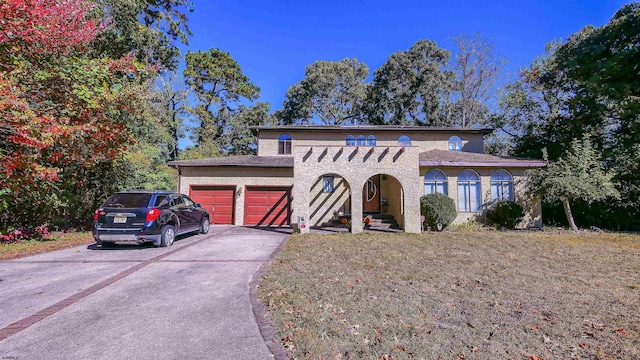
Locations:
{"points": [[187, 301]]}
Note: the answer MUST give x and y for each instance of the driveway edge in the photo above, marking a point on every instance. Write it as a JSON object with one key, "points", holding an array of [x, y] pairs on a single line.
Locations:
{"points": [[260, 311]]}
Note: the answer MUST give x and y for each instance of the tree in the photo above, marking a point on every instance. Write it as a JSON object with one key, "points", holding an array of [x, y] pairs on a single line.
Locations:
{"points": [[62, 109], [239, 140], [332, 91], [170, 102], [579, 174], [477, 70], [218, 82], [146, 28], [587, 86], [412, 87]]}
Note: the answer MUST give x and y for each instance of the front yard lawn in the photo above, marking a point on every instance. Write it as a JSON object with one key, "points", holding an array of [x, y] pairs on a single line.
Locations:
{"points": [[481, 295], [57, 241]]}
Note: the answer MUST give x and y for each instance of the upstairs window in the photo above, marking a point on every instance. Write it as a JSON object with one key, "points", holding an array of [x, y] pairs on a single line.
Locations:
{"points": [[284, 144], [351, 141], [361, 140], [435, 181], [468, 191], [501, 185], [455, 144], [371, 140], [404, 140]]}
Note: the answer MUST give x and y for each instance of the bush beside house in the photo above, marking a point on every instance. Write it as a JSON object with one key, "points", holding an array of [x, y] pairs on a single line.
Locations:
{"points": [[438, 209]]}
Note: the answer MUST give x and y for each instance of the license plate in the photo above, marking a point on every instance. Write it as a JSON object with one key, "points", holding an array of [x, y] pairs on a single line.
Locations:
{"points": [[119, 220]]}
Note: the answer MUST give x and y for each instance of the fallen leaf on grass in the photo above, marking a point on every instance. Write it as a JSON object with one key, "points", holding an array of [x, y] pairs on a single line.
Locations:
{"points": [[475, 349], [583, 345], [533, 327], [533, 357], [620, 331]]}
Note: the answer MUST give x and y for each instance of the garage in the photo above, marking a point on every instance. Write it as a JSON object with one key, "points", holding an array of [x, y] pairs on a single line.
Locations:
{"points": [[218, 200], [268, 206]]}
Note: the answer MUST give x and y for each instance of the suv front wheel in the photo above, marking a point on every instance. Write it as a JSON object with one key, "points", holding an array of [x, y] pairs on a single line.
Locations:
{"points": [[167, 236], [204, 227]]}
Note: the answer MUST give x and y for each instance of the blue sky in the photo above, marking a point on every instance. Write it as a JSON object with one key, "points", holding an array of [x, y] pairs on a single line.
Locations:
{"points": [[273, 41]]}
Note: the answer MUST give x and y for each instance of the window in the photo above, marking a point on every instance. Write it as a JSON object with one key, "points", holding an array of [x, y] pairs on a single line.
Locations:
{"points": [[351, 141], [371, 140], [404, 140], [188, 202], [435, 181], [327, 184], [128, 200], [501, 186], [284, 144], [177, 202], [362, 141], [161, 201], [468, 191], [455, 144]]}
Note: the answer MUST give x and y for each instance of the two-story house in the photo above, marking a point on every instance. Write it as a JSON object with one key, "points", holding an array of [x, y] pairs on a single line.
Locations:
{"points": [[303, 175]]}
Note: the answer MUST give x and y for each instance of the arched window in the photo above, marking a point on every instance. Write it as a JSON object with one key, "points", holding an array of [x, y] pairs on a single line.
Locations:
{"points": [[501, 185], [351, 141], [362, 141], [435, 181], [455, 144], [371, 140], [468, 191], [404, 140], [284, 144]]}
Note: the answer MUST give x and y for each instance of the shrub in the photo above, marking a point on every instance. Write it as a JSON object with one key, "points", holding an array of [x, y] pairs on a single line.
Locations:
{"points": [[438, 209], [505, 214]]}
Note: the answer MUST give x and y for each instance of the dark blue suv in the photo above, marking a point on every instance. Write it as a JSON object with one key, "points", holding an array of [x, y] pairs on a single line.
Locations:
{"points": [[148, 216]]}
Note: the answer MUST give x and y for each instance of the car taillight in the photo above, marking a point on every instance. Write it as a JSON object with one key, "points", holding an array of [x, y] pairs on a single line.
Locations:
{"points": [[152, 214], [95, 215]]}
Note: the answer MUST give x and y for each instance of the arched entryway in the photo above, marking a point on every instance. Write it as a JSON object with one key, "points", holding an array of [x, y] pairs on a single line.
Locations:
{"points": [[383, 202], [330, 198]]}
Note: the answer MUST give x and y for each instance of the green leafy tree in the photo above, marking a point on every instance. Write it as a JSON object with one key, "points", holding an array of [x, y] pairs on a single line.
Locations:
{"points": [[239, 140], [588, 85], [219, 83], [578, 175], [146, 28], [333, 92], [412, 87]]}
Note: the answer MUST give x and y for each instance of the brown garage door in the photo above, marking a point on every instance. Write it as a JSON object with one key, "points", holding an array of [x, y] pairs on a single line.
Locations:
{"points": [[218, 200], [267, 205]]}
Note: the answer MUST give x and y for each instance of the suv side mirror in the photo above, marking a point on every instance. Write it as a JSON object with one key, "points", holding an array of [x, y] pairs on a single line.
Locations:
{"points": [[198, 205]]}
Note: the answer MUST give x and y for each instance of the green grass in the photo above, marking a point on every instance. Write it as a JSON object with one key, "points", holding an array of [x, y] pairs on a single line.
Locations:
{"points": [[55, 242], [457, 295]]}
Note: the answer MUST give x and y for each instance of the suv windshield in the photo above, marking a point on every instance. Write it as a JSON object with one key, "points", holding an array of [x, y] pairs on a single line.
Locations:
{"points": [[128, 200]]}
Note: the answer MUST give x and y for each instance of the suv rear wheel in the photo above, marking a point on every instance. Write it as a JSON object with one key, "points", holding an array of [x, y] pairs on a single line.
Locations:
{"points": [[167, 236]]}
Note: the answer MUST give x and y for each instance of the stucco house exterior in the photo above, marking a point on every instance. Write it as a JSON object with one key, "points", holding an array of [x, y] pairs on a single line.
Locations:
{"points": [[305, 175]]}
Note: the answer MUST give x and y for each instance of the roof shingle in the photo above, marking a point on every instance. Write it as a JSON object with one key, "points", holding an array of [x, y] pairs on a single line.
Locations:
{"points": [[462, 158], [239, 160]]}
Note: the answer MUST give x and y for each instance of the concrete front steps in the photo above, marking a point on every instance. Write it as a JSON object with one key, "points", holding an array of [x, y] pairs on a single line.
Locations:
{"points": [[378, 223]]}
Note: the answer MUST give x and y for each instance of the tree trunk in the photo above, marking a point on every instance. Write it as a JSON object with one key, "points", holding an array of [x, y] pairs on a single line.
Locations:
{"points": [[567, 211]]}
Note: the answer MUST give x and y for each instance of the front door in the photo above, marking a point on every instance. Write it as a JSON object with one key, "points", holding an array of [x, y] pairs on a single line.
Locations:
{"points": [[371, 195]]}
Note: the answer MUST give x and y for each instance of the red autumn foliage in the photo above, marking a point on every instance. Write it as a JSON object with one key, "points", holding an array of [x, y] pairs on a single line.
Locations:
{"points": [[54, 101], [46, 26]]}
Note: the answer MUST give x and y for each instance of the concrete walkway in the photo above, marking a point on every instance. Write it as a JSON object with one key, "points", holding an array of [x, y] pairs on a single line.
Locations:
{"points": [[187, 301]]}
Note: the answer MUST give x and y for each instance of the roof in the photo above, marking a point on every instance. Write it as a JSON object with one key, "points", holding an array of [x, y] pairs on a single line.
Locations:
{"points": [[380, 128], [462, 158], [239, 160]]}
